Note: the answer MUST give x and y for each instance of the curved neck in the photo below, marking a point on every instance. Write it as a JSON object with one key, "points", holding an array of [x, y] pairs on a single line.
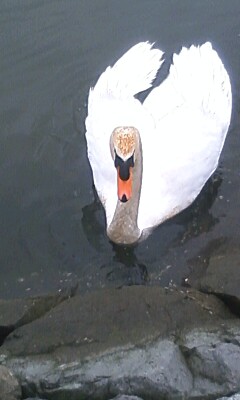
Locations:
{"points": [[123, 228]]}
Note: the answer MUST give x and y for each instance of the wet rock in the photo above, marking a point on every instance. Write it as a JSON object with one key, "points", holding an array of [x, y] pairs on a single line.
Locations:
{"points": [[220, 274], [125, 397], [10, 388], [213, 359], [134, 341], [106, 318], [11, 311], [18, 312]]}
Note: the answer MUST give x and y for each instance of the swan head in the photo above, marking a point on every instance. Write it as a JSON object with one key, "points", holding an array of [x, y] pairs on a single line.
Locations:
{"points": [[124, 146], [126, 151]]}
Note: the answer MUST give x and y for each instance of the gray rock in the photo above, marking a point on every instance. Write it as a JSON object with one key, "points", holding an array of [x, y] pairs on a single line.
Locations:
{"points": [[136, 341], [10, 389], [17, 312], [159, 369], [126, 397], [234, 397], [219, 273], [97, 321], [213, 358], [156, 369]]}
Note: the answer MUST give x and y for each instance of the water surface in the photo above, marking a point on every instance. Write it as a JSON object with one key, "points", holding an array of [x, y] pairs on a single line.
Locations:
{"points": [[52, 228]]}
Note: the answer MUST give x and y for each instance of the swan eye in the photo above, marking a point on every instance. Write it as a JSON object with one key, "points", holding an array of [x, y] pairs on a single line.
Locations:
{"points": [[123, 166]]}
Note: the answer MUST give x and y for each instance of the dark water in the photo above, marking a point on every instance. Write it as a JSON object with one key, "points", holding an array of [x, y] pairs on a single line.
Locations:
{"points": [[52, 230]]}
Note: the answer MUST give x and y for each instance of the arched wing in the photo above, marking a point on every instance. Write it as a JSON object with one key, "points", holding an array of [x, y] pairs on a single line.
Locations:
{"points": [[191, 110]]}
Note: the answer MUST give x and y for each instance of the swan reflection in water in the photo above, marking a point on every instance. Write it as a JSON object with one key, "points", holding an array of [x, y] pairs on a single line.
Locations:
{"points": [[124, 266]]}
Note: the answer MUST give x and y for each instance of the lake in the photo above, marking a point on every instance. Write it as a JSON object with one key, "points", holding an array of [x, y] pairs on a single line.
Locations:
{"points": [[52, 226]]}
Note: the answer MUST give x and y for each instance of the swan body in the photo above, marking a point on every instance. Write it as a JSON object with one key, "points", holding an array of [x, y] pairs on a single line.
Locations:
{"points": [[150, 160]]}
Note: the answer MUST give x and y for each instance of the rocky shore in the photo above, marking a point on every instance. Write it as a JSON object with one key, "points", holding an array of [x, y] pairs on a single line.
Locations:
{"points": [[128, 343]]}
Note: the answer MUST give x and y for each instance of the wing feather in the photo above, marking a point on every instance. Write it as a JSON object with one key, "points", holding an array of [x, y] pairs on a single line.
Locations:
{"points": [[192, 111], [183, 124], [111, 103]]}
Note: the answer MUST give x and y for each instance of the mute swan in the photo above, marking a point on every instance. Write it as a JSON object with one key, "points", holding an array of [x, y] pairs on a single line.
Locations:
{"points": [[150, 160]]}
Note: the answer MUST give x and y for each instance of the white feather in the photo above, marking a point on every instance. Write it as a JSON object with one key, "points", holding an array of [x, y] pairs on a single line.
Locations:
{"points": [[124, 80], [183, 124]]}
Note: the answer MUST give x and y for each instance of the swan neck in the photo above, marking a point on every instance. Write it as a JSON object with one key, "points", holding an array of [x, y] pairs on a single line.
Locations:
{"points": [[123, 228]]}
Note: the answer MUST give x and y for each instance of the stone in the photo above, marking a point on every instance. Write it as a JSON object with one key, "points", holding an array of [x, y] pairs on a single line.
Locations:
{"points": [[10, 388], [139, 341], [213, 359], [17, 312], [103, 319], [126, 397], [219, 273]]}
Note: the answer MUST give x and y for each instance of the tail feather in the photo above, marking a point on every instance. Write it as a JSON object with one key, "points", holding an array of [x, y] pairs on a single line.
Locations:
{"points": [[131, 74]]}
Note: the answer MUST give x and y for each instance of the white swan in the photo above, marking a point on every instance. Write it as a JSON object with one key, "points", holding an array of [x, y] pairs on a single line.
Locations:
{"points": [[150, 160]]}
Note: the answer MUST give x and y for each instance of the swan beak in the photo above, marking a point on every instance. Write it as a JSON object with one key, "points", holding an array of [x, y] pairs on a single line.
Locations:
{"points": [[124, 186], [124, 177]]}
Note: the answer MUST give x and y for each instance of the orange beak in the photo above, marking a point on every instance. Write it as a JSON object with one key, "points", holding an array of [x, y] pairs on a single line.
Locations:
{"points": [[124, 187]]}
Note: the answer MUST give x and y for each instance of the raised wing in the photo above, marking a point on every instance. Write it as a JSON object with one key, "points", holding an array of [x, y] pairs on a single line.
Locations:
{"points": [[111, 103], [191, 110], [197, 77]]}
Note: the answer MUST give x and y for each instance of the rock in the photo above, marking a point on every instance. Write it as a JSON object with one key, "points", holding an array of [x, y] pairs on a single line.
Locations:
{"points": [[234, 397], [9, 386], [220, 274], [213, 359], [100, 320], [135, 341], [155, 370], [126, 397], [18, 312]]}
